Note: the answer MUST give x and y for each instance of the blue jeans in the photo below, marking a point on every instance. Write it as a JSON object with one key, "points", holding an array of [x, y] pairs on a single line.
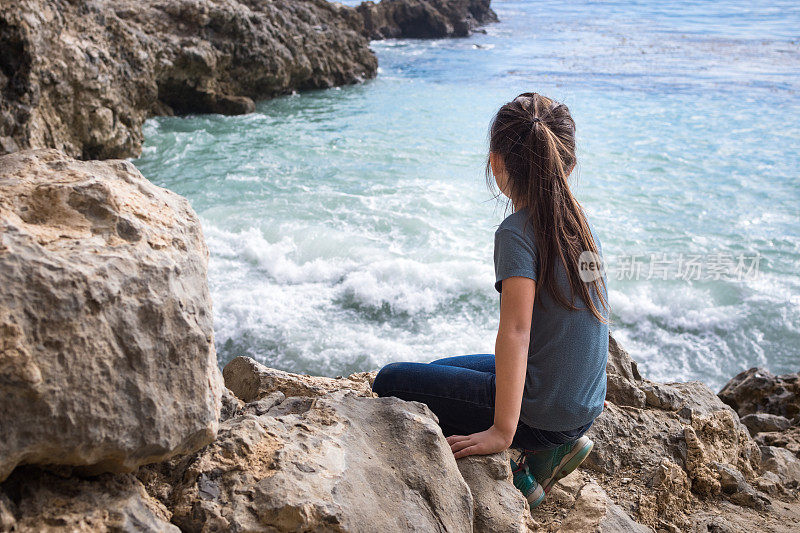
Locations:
{"points": [[460, 391]]}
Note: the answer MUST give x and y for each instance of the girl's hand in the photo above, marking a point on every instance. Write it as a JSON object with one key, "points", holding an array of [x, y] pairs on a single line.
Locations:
{"points": [[482, 443]]}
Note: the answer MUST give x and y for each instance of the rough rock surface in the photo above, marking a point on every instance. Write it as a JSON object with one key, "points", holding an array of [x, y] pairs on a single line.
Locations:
{"points": [[423, 18], [768, 405], [497, 504], [320, 454], [83, 76], [249, 381], [759, 391], [106, 332], [595, 511], [49, 502], [337, 462], [789, 439]]}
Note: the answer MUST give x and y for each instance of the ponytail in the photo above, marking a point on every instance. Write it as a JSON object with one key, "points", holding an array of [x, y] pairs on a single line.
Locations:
{"points": [[535, 136]]}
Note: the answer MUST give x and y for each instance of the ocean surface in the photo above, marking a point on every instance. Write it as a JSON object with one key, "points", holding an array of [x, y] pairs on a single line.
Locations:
{"points": [[352, 227]]}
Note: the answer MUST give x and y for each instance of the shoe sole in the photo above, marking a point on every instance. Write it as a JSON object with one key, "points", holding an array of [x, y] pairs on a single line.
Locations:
{"points": [[536, 498], [569, 463]]}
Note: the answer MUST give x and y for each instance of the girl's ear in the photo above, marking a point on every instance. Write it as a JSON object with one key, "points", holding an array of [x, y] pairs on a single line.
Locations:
{"points": [[495, 162], [498, 169]]}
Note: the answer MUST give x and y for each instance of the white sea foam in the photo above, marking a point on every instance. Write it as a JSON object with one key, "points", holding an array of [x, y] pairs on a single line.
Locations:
{"points": [[349, 228]]}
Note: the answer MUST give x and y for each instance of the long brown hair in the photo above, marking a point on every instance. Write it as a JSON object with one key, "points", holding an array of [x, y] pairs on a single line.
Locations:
{"points": [[535, 137]]}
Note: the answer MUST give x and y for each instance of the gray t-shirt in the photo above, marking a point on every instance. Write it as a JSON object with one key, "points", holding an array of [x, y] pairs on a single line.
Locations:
{"points": [[566, 381]]}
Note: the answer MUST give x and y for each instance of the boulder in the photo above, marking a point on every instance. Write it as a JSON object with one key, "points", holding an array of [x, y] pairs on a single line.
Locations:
{"points": [[309, 453], [782, 463], [759, 391], [595, 511], [108, 354], [48, 502], [789, 439], [764, 422], [622, 376], [250, 380]]}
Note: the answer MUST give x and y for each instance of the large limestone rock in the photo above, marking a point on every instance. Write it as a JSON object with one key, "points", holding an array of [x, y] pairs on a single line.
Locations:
{"points": [[337, 462], [250, 380], [595, 511], [498, 505], [333, 457], [106, 332]]}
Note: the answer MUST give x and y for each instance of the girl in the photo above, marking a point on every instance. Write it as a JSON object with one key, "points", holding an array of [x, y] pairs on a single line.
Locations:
{"points": [[546, 382]]}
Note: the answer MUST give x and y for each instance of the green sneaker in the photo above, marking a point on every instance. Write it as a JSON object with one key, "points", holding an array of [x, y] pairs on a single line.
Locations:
{"points": [[551, 465], [527, 484]]}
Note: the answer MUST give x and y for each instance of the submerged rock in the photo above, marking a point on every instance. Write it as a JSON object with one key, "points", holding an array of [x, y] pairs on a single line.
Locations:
{"points": [[108, 357]]}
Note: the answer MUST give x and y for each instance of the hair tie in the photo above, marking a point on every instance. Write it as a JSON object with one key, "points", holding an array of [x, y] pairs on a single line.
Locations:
{"points": [[536, 119]]}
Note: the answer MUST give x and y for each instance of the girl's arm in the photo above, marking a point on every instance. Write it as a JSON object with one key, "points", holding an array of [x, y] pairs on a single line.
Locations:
{"points": [[511, 360]]}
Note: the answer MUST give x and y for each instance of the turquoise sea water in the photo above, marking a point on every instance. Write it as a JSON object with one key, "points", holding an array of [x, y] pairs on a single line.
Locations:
{"points": [[351, 227]]}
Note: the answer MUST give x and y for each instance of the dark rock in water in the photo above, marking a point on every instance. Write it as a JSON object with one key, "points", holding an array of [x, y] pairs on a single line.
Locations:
{"points": [[83, 76], [424, 18]]}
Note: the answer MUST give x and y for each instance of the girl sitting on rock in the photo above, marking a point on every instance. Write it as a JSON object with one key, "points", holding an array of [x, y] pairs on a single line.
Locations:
{"points": [[546, 382]]}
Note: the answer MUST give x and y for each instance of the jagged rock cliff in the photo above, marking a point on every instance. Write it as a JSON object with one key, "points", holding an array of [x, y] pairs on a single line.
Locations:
{"points": [[83, 76]]}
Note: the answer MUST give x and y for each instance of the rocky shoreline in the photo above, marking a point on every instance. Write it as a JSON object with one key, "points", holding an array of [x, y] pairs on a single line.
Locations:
{"points": [[82, 77], [115, 417]]}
